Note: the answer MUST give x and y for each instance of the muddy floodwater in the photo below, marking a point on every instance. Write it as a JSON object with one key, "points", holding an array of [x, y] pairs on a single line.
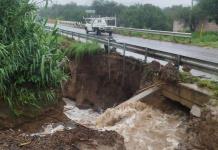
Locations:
{"points": [[154, 124], [96, 115]]}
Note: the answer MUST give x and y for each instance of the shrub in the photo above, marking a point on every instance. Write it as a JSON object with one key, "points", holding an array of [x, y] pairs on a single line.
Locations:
{"points": [[78, 50], [29, 72]]}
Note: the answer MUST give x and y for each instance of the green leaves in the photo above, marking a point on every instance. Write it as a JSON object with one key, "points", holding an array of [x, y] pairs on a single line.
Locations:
{"points": [[42, 68], [29, 70]]}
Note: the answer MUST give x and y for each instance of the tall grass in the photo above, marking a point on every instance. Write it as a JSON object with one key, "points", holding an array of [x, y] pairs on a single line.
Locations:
{"points": [[29, 72], [209, 84], [78, 50], [206, 39]]}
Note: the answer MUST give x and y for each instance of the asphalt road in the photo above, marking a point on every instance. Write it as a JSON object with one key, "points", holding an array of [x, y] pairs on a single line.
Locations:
{"points": [[209, 54]]}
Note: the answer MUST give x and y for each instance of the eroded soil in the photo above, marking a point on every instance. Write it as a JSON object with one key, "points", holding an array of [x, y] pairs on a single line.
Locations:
{"points": [[202, 133], [101, 81], [72, 137]]}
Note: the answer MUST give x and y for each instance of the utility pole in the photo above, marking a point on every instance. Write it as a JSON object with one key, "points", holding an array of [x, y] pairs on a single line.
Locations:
{"points": [[191, 14]]}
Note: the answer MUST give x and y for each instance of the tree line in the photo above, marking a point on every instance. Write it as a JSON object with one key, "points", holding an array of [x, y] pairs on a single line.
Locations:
{"points": [[138, 15]]}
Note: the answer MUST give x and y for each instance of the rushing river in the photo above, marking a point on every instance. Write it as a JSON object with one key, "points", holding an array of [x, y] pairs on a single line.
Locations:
{"points": [[158, 124]]}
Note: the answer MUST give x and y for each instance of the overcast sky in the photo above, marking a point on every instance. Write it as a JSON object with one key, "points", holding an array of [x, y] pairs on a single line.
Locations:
{"points": [[160, 3]]}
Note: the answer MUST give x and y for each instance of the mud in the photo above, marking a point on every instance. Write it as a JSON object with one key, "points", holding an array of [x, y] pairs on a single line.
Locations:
{"points": [[101, 81], [64, 134], [78, 138], [202, 132], [8, 120]]}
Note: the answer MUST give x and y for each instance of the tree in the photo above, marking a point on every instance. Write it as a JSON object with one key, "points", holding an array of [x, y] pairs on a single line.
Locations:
{"points": [[138, 16], [191, 17], [107, 8], [210, 9], [69, 12]]}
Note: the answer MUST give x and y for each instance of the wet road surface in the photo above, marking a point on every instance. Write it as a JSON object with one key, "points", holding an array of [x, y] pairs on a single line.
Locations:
{"points": [[203, 53]]}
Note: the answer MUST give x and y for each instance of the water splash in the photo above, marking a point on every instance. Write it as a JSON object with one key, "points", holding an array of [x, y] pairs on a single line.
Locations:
{"points": [[144, 127], [85, 117]]}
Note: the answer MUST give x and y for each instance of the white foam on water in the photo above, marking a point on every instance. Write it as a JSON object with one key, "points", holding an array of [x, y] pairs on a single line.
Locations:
{"points": [[145, 128], [85, 117], [49, 130], [142, 126]]}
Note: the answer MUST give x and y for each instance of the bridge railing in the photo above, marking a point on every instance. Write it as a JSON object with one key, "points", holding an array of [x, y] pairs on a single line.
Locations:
{"points": [[157, 32], [179, 60]]}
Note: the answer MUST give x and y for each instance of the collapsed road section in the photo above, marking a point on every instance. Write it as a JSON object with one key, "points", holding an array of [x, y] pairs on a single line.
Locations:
{"points": [[97, 116]]}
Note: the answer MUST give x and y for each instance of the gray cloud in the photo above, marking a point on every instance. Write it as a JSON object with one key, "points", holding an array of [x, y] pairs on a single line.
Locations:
{"points": [[160, 3]]}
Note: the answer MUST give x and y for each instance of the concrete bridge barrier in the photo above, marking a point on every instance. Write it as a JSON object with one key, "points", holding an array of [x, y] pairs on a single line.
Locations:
{"points": [[187, 94]]}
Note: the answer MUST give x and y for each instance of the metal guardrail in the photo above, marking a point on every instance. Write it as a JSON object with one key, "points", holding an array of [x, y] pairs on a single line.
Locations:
{"points": [[72, 23], [157, 32], [179, 60]]}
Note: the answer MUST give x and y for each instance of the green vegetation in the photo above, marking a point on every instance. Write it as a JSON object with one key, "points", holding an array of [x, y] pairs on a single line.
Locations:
{"points": [[79, 50], [65, 12], [30, 74], [148, 17], [209, 8], [138, 16], [209, 84], [206, 39]]}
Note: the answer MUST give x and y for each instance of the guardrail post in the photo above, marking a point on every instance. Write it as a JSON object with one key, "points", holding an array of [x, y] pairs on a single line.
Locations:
{"points": [[174, 37], [178, 61], [109, 64], [146, 55], [86, 38], [190, 39], [108, 45], [124, 63], [78, 37], [72, 35]]}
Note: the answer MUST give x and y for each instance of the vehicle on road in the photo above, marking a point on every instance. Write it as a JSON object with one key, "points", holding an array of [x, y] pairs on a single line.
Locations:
{"points": [[100, 25]]}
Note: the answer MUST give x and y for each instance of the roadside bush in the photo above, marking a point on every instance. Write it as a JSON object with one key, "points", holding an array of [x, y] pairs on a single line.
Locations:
{"points": [[78, 50], [29, 71]]}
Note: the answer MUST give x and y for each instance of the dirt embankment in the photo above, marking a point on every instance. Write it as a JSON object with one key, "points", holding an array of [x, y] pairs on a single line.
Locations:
{"points": [[9, 120], [99, 82], [79, 138], [102, 81], [74, 137], [202, 132]]}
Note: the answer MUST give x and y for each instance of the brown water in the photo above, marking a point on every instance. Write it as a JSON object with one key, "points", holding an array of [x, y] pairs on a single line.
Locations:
{"points": [[145, 127], [157, 124]]}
